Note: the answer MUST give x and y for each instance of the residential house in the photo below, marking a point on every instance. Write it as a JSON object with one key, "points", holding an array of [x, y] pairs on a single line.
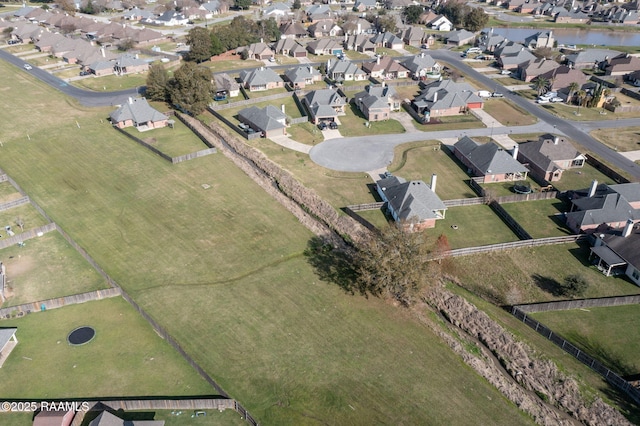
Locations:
{"points": [[540, 39], [105, 418], [324, 105], [130, 64], [617, 251], [301, 76], [507, 59], [413, 36], [530, 70], [549, 156], [364, 5], [136, 14], [421, 66], [225, 84], [398, 4], [359, 43], [611, 205], [277, 11], [138, 113], [563, 76], [565, 17], [377, 102], [290, 47], [343, 70], [54, 418], [293, 30], [488, 42], [385, 68], [446, 98], [8, 342], [214, 7], [259, 51], [260, 79], [324, 46], [413, 204], [270, 121], [590, 58], [528, 6], [170, 18], [388, 40], [358, 26], [441, 23], [622, 64], [460, 37], [319, 12], [489, 161], [100, 68]]}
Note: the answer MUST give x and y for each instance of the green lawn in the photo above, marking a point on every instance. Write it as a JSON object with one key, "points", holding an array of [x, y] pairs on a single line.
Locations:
{"points": [[133, 359], [45, 268], [174, 142], [581, 178], [353, 124], [607, 334], [418, 161], [541, 218], [455, 122], [111, 82], [471, 226], [29, 215], [376, 217], [306, 133], [499, 189], [8, 192]]}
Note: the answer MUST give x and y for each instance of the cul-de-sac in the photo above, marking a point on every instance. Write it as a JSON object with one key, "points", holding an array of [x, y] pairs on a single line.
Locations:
{"points": [[301, 212]]}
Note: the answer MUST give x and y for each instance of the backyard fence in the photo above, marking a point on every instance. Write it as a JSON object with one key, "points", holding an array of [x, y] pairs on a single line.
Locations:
{"points": [[143, 143], [251, 101], [464, 202], [27, 235], [191, 156], [513, 245], [510, 221], [608, 171], [42, 305], [3, 177], [299, 120], [580, 304], [362, 207], [578, 354], [361, 220], [534, 196], [14, 203], [475, 185]]}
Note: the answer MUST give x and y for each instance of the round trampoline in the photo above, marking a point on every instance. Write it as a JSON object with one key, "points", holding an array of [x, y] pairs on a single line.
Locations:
{"points": [[81, 335]]}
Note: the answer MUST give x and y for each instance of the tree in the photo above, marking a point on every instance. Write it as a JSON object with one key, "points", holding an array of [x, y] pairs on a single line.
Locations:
{"points": [[126, 44], [393, 264], [541, 85], [269, 29], [454, 11], [573, 88], [582, 97], [199, 42], [216, 45], [157, 80], [242, 4], [411, 14], [67, 6], [574, 285], [386, 23], [191, 88], [475, 19], [296, 5], [20, 223]]}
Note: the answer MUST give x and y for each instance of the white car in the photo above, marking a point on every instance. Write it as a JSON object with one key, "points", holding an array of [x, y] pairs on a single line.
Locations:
{"points": [[556, 99], [543, 100], [505, 72], [27, 67]]}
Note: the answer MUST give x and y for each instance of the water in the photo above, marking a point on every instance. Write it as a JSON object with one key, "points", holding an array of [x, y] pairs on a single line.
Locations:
{"points": [[575, 36]]}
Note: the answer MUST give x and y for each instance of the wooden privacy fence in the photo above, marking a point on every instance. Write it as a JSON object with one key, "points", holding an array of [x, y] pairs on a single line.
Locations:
{"points": [[510, 221], [14, 203], [27, 308], [580, 304], [3, 177], [534, 196], [363, 207], [578, 354], [606, 169], [192, 155], [251, 101], [26, 235], [464, 202], [512, 245]]}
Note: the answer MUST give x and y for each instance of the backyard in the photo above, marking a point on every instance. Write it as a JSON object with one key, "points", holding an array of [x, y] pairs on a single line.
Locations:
{"points": [[173, 141], [541, 218]]}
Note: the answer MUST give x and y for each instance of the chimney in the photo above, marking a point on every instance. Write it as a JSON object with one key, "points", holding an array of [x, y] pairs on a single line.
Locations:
{"points": [[627, 228], [282, 108], [378, 60], [435, 97], [359, 28], [422, 54], [102, 52], [556, 140], [130, 100], [592, 190], [434, 179], [261, 40], [515, 152]]}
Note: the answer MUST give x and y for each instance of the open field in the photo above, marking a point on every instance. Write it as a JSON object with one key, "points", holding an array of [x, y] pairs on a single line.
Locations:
{"points": [[174, 142], [529, 275], [45, 268], [608, 334], [418, 161], [222, 270], [541, 218], [620, 139], [508, 114], [111, 82], [180, 417], [134, 360], [470, 226]]}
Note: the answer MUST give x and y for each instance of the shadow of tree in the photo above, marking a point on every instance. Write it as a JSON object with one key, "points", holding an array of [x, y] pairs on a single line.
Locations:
{"points": [[603, 354], [332, 265], [550, 285]]}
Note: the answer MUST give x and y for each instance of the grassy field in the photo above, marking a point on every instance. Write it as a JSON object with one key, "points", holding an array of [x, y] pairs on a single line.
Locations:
{"points": [[541, 218], [8, 192], [179, 417], [608, 334], [508, 114], [499, 189], [223, 270], [455, 122], [174, 142], [134, 360], [581, 178], [620, 139], [530, 275], [471, 226], [353, 124], [418, 161], [306, 133], [26, 212], [45, 268], [111, 82]]}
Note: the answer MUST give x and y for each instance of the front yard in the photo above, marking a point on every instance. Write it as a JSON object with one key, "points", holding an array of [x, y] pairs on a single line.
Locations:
{"points": [[354, 124]]}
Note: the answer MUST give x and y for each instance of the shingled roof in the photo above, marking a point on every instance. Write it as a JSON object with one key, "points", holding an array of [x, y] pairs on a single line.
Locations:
{"points": [[138, 110], [489, 158]]}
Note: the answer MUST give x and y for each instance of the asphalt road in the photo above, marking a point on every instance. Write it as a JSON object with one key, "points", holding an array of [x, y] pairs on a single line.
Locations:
{"points": [[85, 97]]}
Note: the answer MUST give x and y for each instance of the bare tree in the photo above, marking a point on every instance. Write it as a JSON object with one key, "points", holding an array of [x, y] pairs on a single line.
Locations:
{"points": [[20, 223]]}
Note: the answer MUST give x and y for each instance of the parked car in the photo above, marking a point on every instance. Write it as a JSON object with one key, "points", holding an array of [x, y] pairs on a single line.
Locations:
{"points": [[333, 125], [220, 97], [27, 67], [83, 73], [543, 100], [272, 59], [556, 99], [484, 94], [505, 72], [13, 41], [473, 50], [497, 95], [322, 125]]}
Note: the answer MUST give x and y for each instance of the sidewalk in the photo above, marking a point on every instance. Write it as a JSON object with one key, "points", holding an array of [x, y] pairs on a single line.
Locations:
{"points": [[287, 142]]}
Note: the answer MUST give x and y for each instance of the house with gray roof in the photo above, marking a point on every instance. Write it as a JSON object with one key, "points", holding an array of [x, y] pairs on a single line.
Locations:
{"points": [[357, 26], [325, 46], [540, 39], [359, 43], [460, 37], [388, 40], [302, 75], [549, 156], [324, 28], [413, 204], [130, 64], [530, 70], [489, 41], [489, 160], [446, 98], [257, 51], [225, 84], [413, 36], [611, 205], [277, 11], [138, 113], [421, 65], [105, 418], [324, 105], [362, 5], [8, 342], [260, 79], [511, 61], [270, 121], [214, 7], [290, 47], [136, 14], [617, 251], [344, 70], [590, 58], [293, 30], [385, 68], [377, 102]]}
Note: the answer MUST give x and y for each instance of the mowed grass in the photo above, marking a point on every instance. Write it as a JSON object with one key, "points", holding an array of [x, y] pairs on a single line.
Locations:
{"points": [[8, 192], [45, 268], [542, 218], [174, 142], [529, 275], [471, 226], [620, 139], [222, 270], [306, 133], [508, 114], [29, 215], [608, 334], [178, 417], [581, 178], [126, 357], [418, 161], [111, 82], [354, 124]]}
